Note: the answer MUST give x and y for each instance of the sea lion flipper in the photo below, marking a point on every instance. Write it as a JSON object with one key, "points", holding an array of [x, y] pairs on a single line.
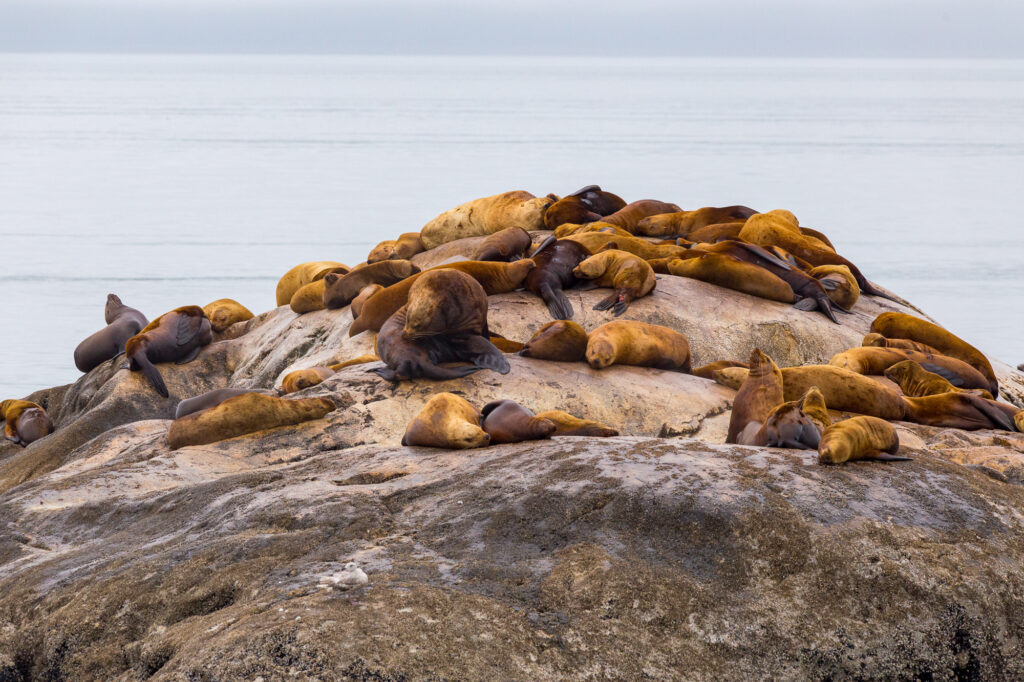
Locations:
{"points": [[886, 457], [806, 304], [764, 253], [825, 306], [193, 354], [558, 304], [385, 373], [947, 374], [621, 305], [828, 284], [994, 414], [544, 244], [153, 374], [606, 303]]}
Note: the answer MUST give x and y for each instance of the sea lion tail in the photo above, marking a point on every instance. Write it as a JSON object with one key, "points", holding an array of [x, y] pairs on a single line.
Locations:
{"points": [[153, 374]]}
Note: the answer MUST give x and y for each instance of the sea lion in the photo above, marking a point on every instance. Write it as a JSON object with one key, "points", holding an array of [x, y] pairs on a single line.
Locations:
{"points": [[495, 278], [568, 425], [569, 209], [714, 233], [839, 283], [445, 302], [446, 421], [813, 405], [600, 202], [629, 215], [509, 244], [361, 360], [555, 260], [882, 342], [244, 414], [787, 426], [707, 371], [405, 247], [630, 276], [960, 411], [309, 297], [205, 401], [24, 421], [486, 216], [569, 229], [726, 271], [225, 312], [685, 222], [859, 438], [506, 421], [340, 289], [596, 242], [559, 341], [304, 378], [760, 393], [730, 377], [122, 324], [356, 306], [874, 360], [1018, 419], [177, 336], [915, 381], [903, 326], [301, 275], [627, 342], [842, 389]]}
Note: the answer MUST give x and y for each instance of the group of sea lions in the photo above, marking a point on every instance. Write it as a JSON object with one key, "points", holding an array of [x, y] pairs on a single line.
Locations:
{"points": [[431, 322]]}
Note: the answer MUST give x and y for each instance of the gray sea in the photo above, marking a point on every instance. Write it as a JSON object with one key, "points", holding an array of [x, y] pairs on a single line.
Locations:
{"points": [[176, 180]]}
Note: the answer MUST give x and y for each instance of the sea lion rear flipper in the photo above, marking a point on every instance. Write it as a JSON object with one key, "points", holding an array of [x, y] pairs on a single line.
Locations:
{"points": [[621, 305], [886, 457], [606, 303], [828, 284], [483, 354], [190, 357], [825, 306], [764, 253], [153, 374], [947, 374], [544, 244], [806, 304], [385, 373], [558, 304], [999, 418]]}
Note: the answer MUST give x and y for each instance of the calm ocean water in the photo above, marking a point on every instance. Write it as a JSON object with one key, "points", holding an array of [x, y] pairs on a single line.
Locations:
{"points": [[175, 180]]}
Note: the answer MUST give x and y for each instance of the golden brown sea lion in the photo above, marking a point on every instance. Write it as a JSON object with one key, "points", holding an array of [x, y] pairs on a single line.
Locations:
{"points": [[24, 421], [509, 244], [486, 216], [360, 360], [225, 312], [630, 276], [309, 297], [569, 209], [596, 242], [356, 306], [177, 336], [760, 393], [446, 421], [244, 414], [122, 324], [627, 342], [205, 401], [787, 426], [304, 378], [559, 341], [629, 215], [882, 342], [495, 278], [569, 229], [1018, 419], [405, 247], [707, 371], [903, 326], [813, 405], [555, 261], [915, 381], [961, 411], [340, 290], [684, 222], [875, 360], [568, 425], [714, 233], [726, 271], [859, 438], [599, 201], [839, 283], [506, 421], [301, 275]]}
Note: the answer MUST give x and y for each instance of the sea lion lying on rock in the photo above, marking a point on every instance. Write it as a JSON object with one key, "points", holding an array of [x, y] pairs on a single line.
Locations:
{"points": [[301, 275], [446, 421], [874, 360], [629, 215], [244, 414], [486, 216], [627, 342], [506, 421], [839, 283], [859, 438], [760, 393], [555, 261], [961, 411], [341, 289], [225, 312], [682, 223], [596, 242], [356, 306], [24, 421], [205, 401], [509, 244], [630, 276], [559, 341], [598, 200], [728, 272], [569, 209], [915, 381], [708, 371], [789, 427], [568, 425], [177, 336], [405, 247], [122, 324], [304, 378], [882, 342], [567, 230]]}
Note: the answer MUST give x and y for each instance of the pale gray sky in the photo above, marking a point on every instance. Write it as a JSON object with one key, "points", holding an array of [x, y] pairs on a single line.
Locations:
{"points": [[741, 28]]}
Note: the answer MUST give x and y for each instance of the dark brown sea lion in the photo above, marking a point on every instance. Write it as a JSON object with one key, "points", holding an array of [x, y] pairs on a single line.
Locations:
{"points": [[882, 342], [915, 381], [210, 399], [356, 306], [600, 202], [559, 341], [961, 411], [725, 271], [445, 302], [630, 276], [24, 421], [555, 259], [628, 342], [509, 244], [495, 278], [244, 414], [568, 425], [859, 438], [569, 209], [787, 426], [760, 393], [629, 215], [122, 324], [708, 371], [506, 421], [225, 312], [177, 336], [874, 360], [684, 222], [340, 290], [446, 421], [903, 326]]}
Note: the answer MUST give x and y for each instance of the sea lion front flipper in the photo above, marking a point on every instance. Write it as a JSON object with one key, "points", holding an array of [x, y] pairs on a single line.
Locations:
{"points": [[193, 354], [483, 354], [947, 374], [886, 457], [153, 374]]}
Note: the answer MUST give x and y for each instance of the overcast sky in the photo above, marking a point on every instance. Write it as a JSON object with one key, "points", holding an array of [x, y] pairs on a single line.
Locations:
{"points": [[741, 28]]}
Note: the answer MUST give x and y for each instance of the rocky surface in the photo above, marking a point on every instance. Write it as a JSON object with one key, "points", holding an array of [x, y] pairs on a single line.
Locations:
{"points": [[661, 554]]}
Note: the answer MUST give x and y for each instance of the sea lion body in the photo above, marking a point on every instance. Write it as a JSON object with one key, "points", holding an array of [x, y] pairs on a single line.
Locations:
{"points": [[713, 233], [567, 230], [309, 297], [210, 399], [486, 216], [599, 201], [873, 339], [630, 276], [301, 275], [627, 342], [568, 425], [629, 215], [340, 290], [446, 421], [569, 209], [506, 421], [555, 261], [859, 438], [873, 360], [707, 371], [788, 427], [225, 312], [122, 324], [506, 245], [559, 341], [356, 306], [961, 411], [304, 378], [596, 242], [839, 283], [684, 222], [917, 382], [244, 414], [903, 326], [760, 393], [725, 271], [177, 336], [405, 247], [24, 421]]}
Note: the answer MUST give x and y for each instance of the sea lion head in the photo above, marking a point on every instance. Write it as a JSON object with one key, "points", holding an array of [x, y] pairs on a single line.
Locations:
{"points": [[112, 308], [834, 451], [445, 301], [902, 371], [600, 353]]}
